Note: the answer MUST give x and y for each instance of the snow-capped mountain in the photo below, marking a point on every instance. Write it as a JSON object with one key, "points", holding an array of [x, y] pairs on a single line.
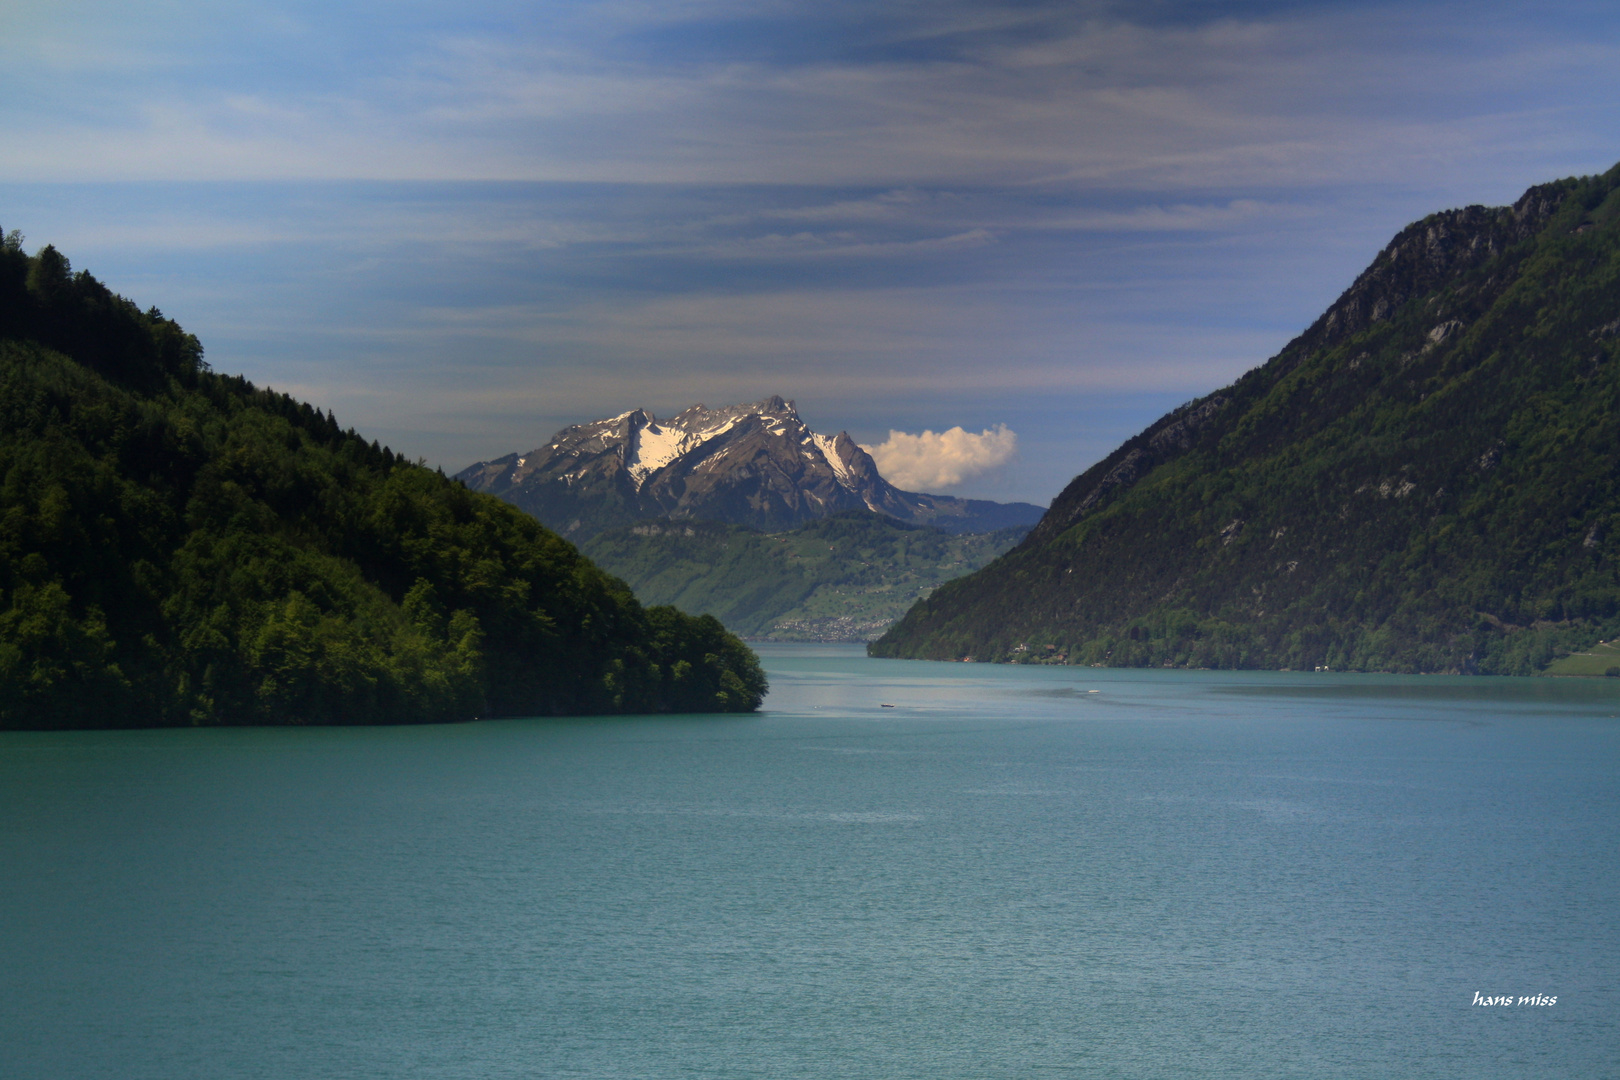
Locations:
{"points": [[756, 465]]}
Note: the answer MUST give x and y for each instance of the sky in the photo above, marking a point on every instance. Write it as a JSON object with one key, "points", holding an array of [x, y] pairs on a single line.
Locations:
{"points": [[462, 226]]}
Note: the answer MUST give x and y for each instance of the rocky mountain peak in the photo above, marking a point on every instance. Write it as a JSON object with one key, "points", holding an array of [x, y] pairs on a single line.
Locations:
{"points": [[756, 464]]}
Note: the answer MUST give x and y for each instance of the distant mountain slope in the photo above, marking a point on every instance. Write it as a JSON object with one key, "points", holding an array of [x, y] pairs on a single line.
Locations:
{"points": [[756, 465], [1427, 479], [843, 578], [181, 547]]}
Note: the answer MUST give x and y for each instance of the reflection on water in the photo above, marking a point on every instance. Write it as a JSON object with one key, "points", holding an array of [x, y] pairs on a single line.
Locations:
{"points": [[1562, 693], [1015, 871]]}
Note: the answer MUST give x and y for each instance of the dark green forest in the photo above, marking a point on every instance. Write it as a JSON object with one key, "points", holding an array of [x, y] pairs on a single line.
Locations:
{"points": [[1427, 479], [840, 578], [179, 546]]}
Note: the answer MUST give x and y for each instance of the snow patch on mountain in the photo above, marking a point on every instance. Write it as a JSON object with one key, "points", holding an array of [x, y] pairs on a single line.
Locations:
{"points": [[653, 447], [828, 445]]}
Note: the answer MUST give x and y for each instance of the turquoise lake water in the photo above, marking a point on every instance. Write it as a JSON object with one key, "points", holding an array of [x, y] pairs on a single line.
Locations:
{"points": [[1183, 874]]}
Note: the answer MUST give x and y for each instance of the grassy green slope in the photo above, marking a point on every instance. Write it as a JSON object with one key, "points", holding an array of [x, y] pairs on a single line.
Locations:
{"points": [[181, 547], [843, 578], [1433, 486], [1602, 658]]}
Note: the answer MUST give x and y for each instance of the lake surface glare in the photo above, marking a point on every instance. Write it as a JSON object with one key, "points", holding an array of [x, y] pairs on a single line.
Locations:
{"points": [[1006, 874]]}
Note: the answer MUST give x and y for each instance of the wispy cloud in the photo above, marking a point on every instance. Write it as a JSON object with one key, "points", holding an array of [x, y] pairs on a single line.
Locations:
{"points": [[970, 94]]}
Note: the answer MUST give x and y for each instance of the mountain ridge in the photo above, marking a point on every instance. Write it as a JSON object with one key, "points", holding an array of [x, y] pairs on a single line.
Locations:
{"points": [[756, 464], [1419, 256]]}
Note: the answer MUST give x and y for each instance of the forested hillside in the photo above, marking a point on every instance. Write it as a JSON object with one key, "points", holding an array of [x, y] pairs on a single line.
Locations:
{"points": [[1427, 479], [182, 547], [842, 578]]}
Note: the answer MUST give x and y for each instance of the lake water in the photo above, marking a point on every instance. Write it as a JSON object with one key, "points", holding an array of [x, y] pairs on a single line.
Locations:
{"points": [[1183, 874]]}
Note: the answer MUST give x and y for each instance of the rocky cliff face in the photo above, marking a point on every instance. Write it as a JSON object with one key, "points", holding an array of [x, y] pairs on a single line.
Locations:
{"points": [[757, 465], [1429, 253]]}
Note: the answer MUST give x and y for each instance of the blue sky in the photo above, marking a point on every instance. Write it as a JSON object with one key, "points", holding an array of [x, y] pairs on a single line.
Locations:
{"points": [[463, 226]]}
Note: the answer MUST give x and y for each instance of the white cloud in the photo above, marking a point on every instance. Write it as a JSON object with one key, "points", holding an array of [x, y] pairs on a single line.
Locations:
{"points": [[936, 460]]}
